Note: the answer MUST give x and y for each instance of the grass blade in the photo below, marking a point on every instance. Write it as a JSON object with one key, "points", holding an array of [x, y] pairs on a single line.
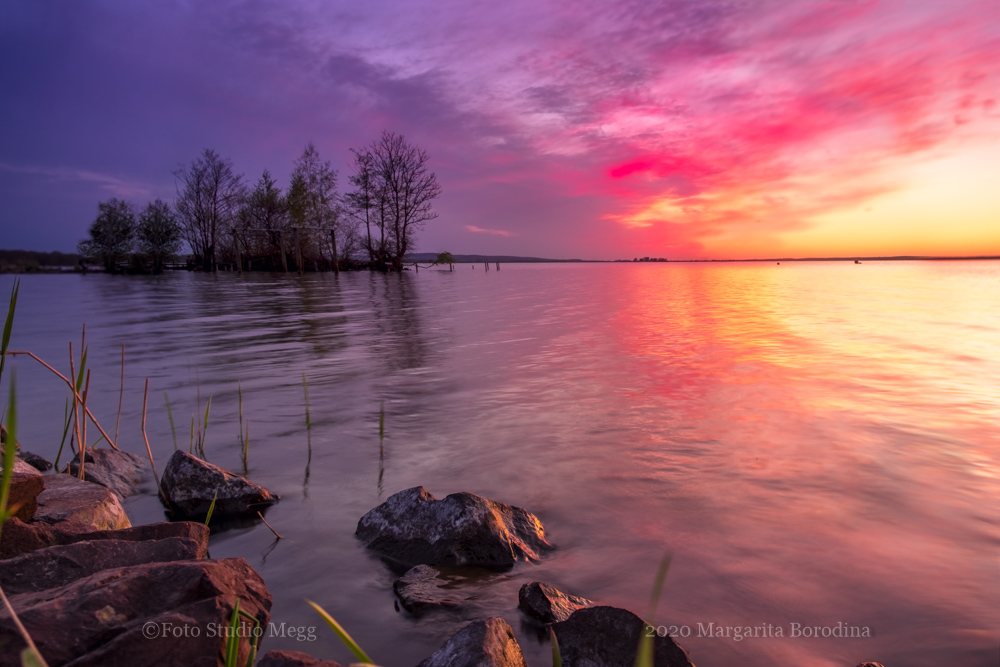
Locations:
{"points": [[644, 656], [305, 389], [8, 324], [170, 416], [211, 508], [556, 655], [66, 422], [233, 643], [344, 637], [9, 450]]}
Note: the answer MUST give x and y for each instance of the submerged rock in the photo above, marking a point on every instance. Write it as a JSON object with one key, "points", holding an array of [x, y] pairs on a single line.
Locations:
{"points": [[463, 529], [422, 589], [546, 604], [609, 637], [59, 565], [76, 505], [138, 615], [293, 659], [24, 490], [488, 643], [117, 470], [190, 484]]}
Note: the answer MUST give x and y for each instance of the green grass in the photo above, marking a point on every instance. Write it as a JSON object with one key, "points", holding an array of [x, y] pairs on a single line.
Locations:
{"points": [[342, 633], [170, 416], [211, 508], [8, 325], [233, 641]]}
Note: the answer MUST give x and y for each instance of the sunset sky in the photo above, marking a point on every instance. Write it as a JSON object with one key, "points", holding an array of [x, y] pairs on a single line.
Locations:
{"points": [[601, 130]]}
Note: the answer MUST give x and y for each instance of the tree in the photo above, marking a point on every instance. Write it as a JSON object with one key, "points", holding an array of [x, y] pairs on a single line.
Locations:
{"points": [[158, 234], [111, 234], [313, 204], [263, 215], [393, 193], [209, 193]]}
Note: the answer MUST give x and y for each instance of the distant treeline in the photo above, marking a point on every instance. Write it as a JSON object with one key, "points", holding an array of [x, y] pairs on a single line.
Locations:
{"points": [[30, 261], [229, 223]]}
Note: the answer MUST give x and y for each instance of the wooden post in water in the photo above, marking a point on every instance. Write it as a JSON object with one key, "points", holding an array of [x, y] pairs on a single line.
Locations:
{"points": [[498, 266], [336, 260], [239, 255], [281, 247], [298, 249]]}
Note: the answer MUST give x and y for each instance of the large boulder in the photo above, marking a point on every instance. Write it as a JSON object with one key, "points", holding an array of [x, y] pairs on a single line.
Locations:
{"points": [[488, 643], [609, 637], [293, 659], [37, 462], [190, 484], [22, 467], [463, 529], [20, 537], [546, 604], [117, 470], [24, 490], [77, 505], [422, 589], [59, 565], [156, 615]]}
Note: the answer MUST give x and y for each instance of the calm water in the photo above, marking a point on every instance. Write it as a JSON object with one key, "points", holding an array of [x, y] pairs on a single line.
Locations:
{"points": [[814, 442]]}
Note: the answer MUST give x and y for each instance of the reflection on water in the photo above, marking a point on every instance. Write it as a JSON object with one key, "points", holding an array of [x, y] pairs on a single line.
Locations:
{"points": [[815, 442]]}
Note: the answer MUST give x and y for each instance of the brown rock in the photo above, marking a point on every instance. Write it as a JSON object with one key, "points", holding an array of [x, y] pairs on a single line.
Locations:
{"points": [[609, 637], [293, 659], [871, 664], [157, 615], [76, 505], [22, 467], [24, 490], [546, 604], [488, 643], [20, 537], [35, 461], [59, 565]]}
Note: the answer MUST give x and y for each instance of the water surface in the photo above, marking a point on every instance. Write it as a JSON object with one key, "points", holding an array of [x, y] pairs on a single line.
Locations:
{"points": [[814, 442]]}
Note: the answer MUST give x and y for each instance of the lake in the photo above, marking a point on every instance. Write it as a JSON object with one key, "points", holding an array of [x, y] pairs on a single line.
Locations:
{"points": [[815, 443]]}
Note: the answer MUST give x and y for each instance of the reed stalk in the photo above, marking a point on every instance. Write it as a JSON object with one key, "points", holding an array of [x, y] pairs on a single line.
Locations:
{"points": [[268, 525], [121, 394], [305, 390], [152, 466], [8, 324], [66, 421], [170, 416]]}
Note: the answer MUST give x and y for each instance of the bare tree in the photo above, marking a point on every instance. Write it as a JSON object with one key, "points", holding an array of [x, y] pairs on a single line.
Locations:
{"points": [[158, 235], [111, 234], [393, 193], [314, 205], [263, 216], [208, 195]]}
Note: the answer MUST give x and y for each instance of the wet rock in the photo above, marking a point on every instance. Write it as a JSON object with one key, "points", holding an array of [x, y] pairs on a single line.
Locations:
{"points": [[190, 484], [59, 565], [117, 470], [546, 604], [293, 659], [24, 490], [871, 664], [488, 643], [463, 529], [609, 637], [20, 537], [129, 616], [21, 467], [77, 505], [422, 589], [35, 461]]}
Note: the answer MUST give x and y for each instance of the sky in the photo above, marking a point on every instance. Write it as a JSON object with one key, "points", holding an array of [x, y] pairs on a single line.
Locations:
{"points": [[603, 129]]}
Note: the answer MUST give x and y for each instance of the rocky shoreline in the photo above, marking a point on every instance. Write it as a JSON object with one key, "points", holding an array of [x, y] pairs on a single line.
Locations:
{"points": [[88, 585]]}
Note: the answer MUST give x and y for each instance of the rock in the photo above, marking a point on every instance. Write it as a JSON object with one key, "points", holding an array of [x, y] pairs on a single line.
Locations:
{"points": [[422, 589], [59, 565], [545, 604], [463, 529], [21, 467], [24, 490], [141, 615], [609, 637], [35, 461], [76, 505], [488, 643], [293, 659], [870, 664], [119, 471], [20, 537], [190, 483]]}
